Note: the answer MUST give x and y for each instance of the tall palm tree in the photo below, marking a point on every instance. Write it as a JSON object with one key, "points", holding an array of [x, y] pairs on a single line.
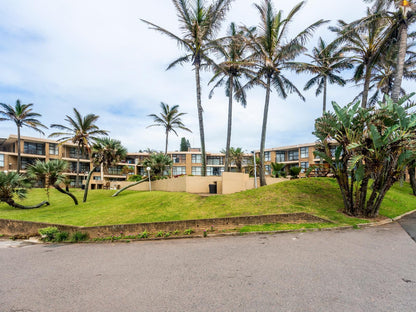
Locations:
{"points": [[366, 43], [170, 119], [401, 15], [51, 174], [199, 24], [80, 131], [272, 53], [229, 72], [21, 115], [327, 62], [105, 152]]}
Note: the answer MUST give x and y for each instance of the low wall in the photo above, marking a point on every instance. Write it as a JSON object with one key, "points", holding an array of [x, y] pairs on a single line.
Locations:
{"points": [[25, 228]]}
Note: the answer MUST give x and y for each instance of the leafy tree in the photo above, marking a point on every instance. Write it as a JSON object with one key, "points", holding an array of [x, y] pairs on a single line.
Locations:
{"points": [[373, 147], [229, 72], [272, 53], [250, 167], [278, 170], [13, 184], [185, 145], [294, 172], [159, 163], [327, 62], [80, 131], [170, 119], [199, 24], [236, 157], [51, 174], [105, 152], [21, 115]]}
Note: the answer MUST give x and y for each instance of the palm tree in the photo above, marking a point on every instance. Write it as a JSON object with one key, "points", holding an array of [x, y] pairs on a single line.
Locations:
{"points": [[272, 53], [366, 43], [327, 62], [199, 24], [229, 72], [51, 174], [21, 115], [13, 184], [170, 119], [106, 152], [236, 157], [158, 162], [400, 20], [80, 131]]}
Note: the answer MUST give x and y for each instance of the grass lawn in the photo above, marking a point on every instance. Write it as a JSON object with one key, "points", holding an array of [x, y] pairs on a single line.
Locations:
{"points": [[318, 196]]}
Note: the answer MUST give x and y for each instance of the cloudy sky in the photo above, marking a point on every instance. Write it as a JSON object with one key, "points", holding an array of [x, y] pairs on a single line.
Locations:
{"points": [[98, 57]]}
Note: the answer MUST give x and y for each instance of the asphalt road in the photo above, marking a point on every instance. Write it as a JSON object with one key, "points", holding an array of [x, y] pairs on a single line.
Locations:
{"points": [[371, 269], [408, 223]]}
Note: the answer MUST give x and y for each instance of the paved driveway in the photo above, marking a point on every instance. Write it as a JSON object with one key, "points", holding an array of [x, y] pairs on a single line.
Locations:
{"points": [[371, 269]]}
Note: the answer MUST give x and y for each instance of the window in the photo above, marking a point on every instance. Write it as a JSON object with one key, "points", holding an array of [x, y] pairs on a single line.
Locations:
{"points": [[1, 160], [179, 158], [304, 152], [266, 156], [304, 165], [34, 148], [83, 167], [178, 170], [53, 149], [116, 170], [196, 170], [215, 160], [267, 169], [280, 157], [196, 159], [26, 162], [214, 171], [293, 155], [73, 153]]}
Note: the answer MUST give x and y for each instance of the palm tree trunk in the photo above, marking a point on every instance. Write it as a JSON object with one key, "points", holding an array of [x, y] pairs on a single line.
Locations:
{"points": [[12, 203], [200, 117], [325, 89], [230, 118], [166, 144], [367, 79], [87, 184], [412, 176], [59, 189], [78, 157], [395, 94], [263, 133], [128, 186], [19, 160]]}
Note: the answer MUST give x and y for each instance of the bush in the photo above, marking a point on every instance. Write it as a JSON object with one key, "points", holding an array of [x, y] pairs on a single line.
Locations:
{"points": [[49, 233], [135, 178], [79, 237], [294, 172], [61, 236]]}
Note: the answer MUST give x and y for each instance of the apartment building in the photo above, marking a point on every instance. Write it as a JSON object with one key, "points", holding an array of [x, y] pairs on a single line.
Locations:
{"points": [[184, 163]]}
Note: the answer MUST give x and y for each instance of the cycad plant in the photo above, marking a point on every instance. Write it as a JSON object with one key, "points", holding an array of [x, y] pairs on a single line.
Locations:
{"points": [[170, 119], [199, 24], [21, 115], [273, 53]]}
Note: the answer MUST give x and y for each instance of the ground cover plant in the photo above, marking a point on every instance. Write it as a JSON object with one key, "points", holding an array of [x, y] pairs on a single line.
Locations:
{"points": [[318, 196]]}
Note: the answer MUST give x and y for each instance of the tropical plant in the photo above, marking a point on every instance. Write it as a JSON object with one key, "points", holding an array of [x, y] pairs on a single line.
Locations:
{"points": [[278, 170], [294, 172], [170, 119], [229, 72], [327, 62], [105, 152], [158, 163], [80, 131], [51, 174], [373, 147], [21, 115], [236, 157], [199, 24], [250, 167], [13, 184], [272, 53]]}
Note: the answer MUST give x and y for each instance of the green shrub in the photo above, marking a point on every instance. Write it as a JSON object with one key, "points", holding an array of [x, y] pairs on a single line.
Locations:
{"points": [[61, 236], [294, 172], [176, 232], [145, 234], [135, 178], [48, 233], [79, 237], [159, 234], [167, 234], [188, 231]]}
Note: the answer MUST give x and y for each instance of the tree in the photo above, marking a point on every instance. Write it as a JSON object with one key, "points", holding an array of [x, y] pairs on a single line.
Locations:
{"points": [[21, 115], [170, 119], [327, 62], [105, 152], [272, 52], [373, 148], [278, 170], [13, 184], [51, 174], [80, 131], [158, 163], [229, 72], [365, 41], [236, 157], [185, 145], [199, 24]]}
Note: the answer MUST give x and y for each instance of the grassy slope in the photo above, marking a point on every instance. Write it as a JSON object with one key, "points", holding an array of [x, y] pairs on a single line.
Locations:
{"points": [[319, 196]]}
